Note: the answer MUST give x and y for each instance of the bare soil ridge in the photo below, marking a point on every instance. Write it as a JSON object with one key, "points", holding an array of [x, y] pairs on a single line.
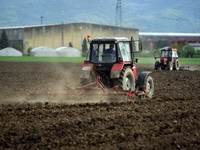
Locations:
{"points": [[168, 121]]}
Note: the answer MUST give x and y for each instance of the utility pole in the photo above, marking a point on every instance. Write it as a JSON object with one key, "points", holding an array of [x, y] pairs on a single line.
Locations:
{"points": [[42, 20], [118, 20], [62, 28]]}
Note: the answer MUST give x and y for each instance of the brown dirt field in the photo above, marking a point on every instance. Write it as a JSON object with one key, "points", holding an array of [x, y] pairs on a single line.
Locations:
{"points": [[168, 121]]}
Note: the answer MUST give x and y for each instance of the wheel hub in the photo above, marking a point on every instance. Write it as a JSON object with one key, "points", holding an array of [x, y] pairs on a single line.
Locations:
{"points": [[128, 84], [148, 87]]}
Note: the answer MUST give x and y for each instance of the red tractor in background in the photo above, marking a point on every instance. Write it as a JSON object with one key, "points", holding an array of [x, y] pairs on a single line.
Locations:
{"points": [[168, 59], [111, 66]]}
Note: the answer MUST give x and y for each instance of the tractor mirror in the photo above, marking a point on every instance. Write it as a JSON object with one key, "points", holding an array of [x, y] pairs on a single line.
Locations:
{"points": [[156, 54], [140, 46], [136, 45]]}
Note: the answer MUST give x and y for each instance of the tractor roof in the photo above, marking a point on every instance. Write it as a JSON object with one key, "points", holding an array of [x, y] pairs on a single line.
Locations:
{"points": [[167, 48], [110, 39]]}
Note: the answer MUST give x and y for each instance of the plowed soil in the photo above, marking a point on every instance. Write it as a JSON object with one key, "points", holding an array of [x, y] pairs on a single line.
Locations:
{"points": [[31, 117]]}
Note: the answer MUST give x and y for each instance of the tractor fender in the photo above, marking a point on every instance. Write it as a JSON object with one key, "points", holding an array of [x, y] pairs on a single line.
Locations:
{"points": [[142, 78], [116, 70], [87, 68]]}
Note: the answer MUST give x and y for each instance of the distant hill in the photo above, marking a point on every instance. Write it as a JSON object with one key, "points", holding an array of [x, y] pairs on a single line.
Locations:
{"points": [[146, 15]]}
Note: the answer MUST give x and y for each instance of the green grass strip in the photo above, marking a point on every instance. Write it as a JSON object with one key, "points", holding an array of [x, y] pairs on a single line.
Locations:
{"points": [[141, 60], [189, 61], [42, 59]]}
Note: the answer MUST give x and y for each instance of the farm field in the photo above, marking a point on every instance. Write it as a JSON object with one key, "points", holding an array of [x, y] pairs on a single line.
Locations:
{"points": [[30, 119]]}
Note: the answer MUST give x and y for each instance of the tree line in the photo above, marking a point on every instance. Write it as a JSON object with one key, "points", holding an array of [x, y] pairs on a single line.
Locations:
{"points": [[4, 40]]}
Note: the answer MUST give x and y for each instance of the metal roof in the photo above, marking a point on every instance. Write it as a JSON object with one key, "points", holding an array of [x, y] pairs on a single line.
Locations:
{"points": [[169, 34], [110, 39]]}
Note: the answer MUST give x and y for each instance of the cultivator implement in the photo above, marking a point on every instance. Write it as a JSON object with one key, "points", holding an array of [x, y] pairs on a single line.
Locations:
{"points": [[184, 68], [98, 87], [92, 89]]}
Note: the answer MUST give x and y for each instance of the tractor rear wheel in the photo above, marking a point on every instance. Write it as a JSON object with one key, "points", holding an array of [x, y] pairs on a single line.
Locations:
{"points": [[149, 85], [176, 65], [126, 80]]}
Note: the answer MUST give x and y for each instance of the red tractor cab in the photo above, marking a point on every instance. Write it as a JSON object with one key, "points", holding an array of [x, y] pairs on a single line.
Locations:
{"points": [[168, 59], [112, 62]]}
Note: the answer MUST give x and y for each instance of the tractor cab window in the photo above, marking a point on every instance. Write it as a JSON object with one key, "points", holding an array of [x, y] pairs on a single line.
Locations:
{"points": [[165, 54], [103, 53], [125, 51]]}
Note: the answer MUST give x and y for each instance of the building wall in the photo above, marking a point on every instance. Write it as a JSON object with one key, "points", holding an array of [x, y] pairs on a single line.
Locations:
{"points": [[55, 36]]}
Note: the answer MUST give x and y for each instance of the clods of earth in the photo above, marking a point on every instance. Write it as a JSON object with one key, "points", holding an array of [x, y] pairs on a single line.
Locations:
{"points": [[31, 117]]}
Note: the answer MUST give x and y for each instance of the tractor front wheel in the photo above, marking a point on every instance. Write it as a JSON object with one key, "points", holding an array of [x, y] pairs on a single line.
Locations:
{"points": [[170, 66], [127, 80], [157, 65]]}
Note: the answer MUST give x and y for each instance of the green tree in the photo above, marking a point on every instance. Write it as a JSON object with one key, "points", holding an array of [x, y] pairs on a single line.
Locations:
{"points": [[4, 40], [84, 48], [180, 51], [197, 54], [70, 44], [189, 51], [29, 50]]}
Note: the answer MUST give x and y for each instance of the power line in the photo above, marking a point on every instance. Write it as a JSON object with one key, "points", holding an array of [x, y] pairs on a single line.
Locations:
{"points": [[118, 20]]}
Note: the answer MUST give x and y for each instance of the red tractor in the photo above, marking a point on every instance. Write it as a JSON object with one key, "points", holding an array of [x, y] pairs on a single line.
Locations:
{"points": [[168, 59], [111, 66]]}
